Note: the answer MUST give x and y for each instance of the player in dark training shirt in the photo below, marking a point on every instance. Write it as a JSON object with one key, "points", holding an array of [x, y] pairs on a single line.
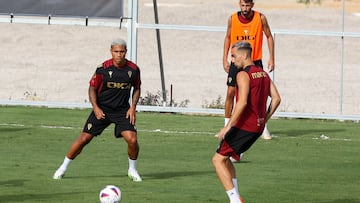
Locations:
{"points": [[109, 94]]}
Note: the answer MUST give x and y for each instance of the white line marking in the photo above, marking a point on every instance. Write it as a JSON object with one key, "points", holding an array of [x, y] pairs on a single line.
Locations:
{"points": [[71, 128], [175, 132], [12, 124], [56, 127], [321, 137]]}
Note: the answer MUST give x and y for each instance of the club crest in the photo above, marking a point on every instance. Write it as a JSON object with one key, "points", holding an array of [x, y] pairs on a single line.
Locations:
{"points": [[89, 126], [129, 74], [110, 74]]}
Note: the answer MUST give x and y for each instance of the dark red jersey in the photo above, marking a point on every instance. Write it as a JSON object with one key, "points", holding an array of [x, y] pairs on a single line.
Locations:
{"points": [[253, 117], [114, 85]]}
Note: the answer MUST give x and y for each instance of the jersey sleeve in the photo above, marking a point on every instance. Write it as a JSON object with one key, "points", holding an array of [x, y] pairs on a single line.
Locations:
{"points": [[137, 80], [96, 80]]}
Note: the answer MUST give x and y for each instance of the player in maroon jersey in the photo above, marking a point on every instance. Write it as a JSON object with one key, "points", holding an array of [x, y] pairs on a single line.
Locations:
{"points": [[248, 120], [109, 94]]}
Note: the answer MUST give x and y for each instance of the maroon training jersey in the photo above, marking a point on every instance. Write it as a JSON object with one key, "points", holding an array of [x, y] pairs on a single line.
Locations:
{"points": [[114, 84], [253, 117]]}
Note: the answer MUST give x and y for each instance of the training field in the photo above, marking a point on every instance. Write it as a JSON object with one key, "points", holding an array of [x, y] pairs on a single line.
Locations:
{"points": [[307, 161]]}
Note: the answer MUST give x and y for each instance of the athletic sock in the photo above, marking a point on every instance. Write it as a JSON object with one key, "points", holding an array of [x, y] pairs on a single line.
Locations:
{"points": [[132, 164], [65, 164], [226, 121], [235, 183], [233, 196]]}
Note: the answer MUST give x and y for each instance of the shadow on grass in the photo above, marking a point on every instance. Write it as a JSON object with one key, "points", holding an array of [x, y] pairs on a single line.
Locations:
{"points": [[299, 132], [173, 174], [12, 183], [242, 162], [149, 176]]}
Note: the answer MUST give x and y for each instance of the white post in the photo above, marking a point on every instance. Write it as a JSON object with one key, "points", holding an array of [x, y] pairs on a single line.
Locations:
{"points": [[132, 25], [342, 60]]}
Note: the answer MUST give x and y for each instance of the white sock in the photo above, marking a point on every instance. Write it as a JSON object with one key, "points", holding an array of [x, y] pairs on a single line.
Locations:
{"points": [[65, 163], [233, 196], [226, 121], [132, 164], [235, 183]]}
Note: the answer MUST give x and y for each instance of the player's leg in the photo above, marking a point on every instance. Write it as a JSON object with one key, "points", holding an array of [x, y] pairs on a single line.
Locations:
{"points": [[75, 149], [225, 171], [133, 145], [236, 141], [78, 145], [123, 128], [133, 151], [232, 171], [92, 127], [229, 103], [231, 145], [266, 134]]}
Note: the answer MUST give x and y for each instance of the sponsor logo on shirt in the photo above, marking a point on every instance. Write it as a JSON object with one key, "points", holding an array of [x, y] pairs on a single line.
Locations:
{"points": [[118, 85]]}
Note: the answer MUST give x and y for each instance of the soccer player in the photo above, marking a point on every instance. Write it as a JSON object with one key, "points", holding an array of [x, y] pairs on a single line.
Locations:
{"points": [[248, 25], [109, 94], [247, 122]]}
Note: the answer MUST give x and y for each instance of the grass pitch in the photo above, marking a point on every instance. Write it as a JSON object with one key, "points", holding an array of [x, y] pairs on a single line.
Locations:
{"points": [[307, 161]]}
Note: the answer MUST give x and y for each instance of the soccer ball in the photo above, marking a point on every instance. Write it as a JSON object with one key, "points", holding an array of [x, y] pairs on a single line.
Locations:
{"points": [[110, 194]]}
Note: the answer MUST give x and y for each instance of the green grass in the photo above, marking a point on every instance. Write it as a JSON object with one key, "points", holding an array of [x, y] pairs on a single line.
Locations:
{"points": [[175, 160]]}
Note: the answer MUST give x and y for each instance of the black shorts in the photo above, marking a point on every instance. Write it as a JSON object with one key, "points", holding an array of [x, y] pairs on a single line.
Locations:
{"points": [[236, 142], [231, 79], [95, 127]]}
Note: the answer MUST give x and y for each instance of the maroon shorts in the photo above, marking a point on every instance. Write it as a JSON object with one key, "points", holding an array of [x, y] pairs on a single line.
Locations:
{"points": [[236, 141]]}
